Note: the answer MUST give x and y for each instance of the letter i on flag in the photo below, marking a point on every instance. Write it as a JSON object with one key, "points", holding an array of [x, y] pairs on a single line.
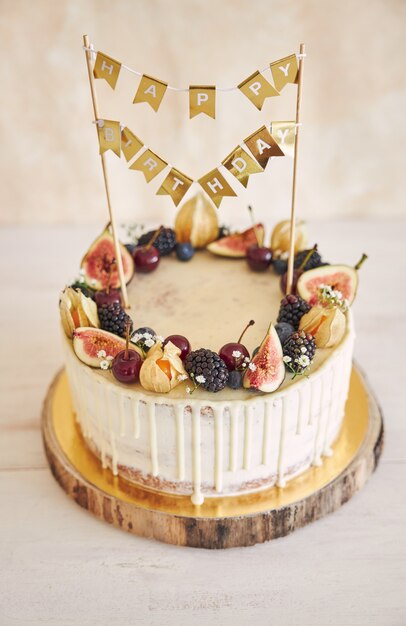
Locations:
{"points": [[216, 186], [107, 68], [130, 144], [109, 136], [175, 185], [150, 90]]}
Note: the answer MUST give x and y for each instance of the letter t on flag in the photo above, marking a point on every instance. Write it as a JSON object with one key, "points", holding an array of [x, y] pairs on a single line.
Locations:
{"points": [[175, 185]]}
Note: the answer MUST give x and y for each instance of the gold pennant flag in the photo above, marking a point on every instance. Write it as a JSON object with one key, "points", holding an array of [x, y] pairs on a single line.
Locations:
{"points": [[216, 186], [130, 144], [107, 68], [284, 71], [109, 136], [175, 185], [257, 89], [263, 146], [284, 134], [150, 90], [202, 100], [149, 164], [241, 165]]}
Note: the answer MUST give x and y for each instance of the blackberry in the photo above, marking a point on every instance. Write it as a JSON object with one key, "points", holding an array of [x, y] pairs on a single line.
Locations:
{"points": [[300, 348], [164, 243], [208, 364], [114, 319], [313, 261], [292, 310], [284, 331]]}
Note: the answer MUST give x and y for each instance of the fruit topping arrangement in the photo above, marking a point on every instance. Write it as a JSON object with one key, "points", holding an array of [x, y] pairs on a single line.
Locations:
{"points": [[314, 316]]}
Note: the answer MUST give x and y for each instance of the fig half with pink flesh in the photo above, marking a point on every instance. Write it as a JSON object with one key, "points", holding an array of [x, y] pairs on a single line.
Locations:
{"points": [[269, 371], [87, 343], [237, 244], [342, 278], [98, 259]]}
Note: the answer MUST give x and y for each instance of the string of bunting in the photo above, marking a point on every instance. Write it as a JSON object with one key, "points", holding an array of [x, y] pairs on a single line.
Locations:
{"points": [[202, 98], [263, 144]]}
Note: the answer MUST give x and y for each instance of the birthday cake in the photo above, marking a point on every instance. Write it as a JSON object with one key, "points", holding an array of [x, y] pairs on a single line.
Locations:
{"points": [[169, 393]]}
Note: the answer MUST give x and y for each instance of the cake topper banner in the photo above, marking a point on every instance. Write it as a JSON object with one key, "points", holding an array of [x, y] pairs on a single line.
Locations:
{"points": [[262, 144], [202, 99]]}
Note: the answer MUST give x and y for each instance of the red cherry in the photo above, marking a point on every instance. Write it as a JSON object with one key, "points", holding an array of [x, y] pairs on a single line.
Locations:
{"points": [[126, 366], [102, 297], [180, 342], [226, 353], [146, 258], [259, 258]]}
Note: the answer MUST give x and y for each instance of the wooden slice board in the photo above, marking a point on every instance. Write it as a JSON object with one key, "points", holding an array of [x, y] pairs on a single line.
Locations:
{"points": [[220, 522]]}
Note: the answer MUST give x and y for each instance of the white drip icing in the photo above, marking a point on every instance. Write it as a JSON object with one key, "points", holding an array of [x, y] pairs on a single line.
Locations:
{"points": [[304, 406], [218, 443], [281, 481], [153, 439], [317, 460], [180, 440], [234, 412], [314, 400], [122, 416], [136, 418], [197, 496], [326, 448], [97, 387], [114, 459], [248, 436], [266, 432]]}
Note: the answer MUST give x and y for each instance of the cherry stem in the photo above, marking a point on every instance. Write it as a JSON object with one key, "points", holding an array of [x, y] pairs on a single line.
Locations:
{"points": [[250, 323], [127, 339], [154, 238], [251, 212], [360, 262], [307, 257], [112, 267]]}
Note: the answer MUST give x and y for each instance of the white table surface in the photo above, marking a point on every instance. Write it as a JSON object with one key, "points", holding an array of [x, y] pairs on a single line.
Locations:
{"points": [[60, 565]]}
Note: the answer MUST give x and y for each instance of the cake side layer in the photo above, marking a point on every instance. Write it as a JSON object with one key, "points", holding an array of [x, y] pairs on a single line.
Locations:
{"points": [[209, 445]]}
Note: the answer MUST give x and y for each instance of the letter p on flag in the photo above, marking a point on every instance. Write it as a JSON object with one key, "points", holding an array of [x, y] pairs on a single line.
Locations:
{"points": [[202, 100]]}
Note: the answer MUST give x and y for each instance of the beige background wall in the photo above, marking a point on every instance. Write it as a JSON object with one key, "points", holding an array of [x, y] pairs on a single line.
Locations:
{"points": [[353, 110]]}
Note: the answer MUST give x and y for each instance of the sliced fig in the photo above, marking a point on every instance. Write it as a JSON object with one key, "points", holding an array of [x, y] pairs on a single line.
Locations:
{"points": [[87, 343], [269, 371], [340, 277], [237, 244], [97, 263]]}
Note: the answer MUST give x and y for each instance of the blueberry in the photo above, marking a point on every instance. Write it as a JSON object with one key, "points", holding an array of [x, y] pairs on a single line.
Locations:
{"points": [[284, 331], [280, 266], [184, 251], [235, 379], [224, 231]]}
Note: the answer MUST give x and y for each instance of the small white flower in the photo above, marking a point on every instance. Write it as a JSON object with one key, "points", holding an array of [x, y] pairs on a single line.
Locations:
{"points": [[104, 365], [109, 358], [81, 272], [93, 281], [247, 359], [101, 354], [252, 367], [200, 379], [188, 390], [244, 365], [286, 359], [136, 337], [303, 361], [147, 336], [338, 294], [149, 343], [182, 377], [303, 349], [236, 354], [159, 338]]}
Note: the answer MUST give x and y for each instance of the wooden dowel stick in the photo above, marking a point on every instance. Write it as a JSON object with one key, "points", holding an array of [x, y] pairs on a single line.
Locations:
{"points": [[105, 177], [291, 258]]}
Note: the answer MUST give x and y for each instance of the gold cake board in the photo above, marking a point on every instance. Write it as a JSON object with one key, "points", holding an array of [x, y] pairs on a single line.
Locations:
{"points": [[220, 522]]}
